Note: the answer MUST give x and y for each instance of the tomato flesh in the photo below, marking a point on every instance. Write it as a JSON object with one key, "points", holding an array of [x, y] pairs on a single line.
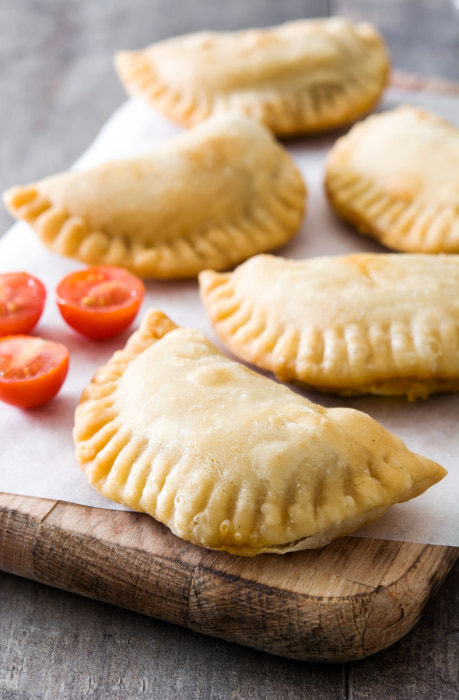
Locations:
{"points": [[22, 300], [32, 370], [100, 302]]}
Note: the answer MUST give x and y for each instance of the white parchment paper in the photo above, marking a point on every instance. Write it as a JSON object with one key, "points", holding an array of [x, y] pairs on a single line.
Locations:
{"points": [[36, 447]]}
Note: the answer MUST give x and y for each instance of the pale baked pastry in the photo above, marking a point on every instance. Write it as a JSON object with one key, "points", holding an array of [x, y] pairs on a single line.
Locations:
{"points": [[210, 197], [303, 76], [395, 176], [229, 459], [356, 324]]}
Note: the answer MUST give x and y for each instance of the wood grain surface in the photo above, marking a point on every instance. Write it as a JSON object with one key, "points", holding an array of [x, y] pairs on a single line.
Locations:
{"points": [[57, 88], [339, 603]]}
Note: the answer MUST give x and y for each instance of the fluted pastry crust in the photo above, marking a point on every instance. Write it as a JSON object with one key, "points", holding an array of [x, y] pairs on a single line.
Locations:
{"points": [[231, 460], [303, 76], [395, 176], [211, 197], [356, 324]]}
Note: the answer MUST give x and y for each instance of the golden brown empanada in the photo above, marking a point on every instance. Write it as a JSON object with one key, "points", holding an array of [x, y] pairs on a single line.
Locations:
{"points": [[395, 176], [304, 76], [211, 197], [356, 324], [229, 459]]}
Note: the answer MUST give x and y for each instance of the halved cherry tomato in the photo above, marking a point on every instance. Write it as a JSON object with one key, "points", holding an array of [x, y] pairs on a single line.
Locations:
{"points": [[32, 370], [100, 302], [22, 299]]}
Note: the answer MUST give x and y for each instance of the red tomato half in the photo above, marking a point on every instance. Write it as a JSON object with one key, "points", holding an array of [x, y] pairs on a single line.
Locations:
{"points": [[22, 299], [100, 302], [32, 370]]}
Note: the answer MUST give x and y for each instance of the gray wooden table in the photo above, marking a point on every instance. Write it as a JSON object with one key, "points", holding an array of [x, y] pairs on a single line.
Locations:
{"points": [[57, 87]]}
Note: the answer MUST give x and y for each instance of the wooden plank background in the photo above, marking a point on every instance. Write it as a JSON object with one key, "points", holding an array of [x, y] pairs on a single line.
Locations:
{"points": [[57, 87]]}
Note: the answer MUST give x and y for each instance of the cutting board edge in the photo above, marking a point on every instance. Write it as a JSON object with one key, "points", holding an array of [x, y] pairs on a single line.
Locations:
{"points": [[199, 597]]}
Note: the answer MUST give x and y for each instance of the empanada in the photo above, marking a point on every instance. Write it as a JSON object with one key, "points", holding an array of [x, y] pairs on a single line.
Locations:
{"points": [[303, 76], [395, 176], [211, 197], [356, 324], [229, 459]]}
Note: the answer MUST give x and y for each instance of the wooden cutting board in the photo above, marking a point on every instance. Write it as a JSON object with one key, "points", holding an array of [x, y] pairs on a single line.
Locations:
{"points": [[340, 603]]}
